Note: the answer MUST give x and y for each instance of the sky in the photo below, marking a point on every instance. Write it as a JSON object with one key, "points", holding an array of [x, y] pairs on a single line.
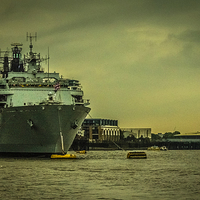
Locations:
{"points": [[138, 60]]}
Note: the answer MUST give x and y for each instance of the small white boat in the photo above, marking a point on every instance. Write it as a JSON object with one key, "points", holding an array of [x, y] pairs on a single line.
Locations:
{"points": [[163, 148]]}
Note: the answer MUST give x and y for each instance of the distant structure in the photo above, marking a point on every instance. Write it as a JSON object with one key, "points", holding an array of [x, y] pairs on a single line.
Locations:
{"points": [[187, 137], [136, 132], [184, 141], [101, 129]]}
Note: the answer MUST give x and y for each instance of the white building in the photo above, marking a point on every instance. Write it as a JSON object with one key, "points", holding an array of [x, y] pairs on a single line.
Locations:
{"points": [[101, 129], [137, 132]]}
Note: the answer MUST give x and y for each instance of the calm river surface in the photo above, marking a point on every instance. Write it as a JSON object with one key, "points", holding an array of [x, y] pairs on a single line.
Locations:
{"points": [[101, 175]]}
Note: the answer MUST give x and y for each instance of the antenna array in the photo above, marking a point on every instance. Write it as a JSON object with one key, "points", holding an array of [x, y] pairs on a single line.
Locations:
{"points": [[31, 37]]}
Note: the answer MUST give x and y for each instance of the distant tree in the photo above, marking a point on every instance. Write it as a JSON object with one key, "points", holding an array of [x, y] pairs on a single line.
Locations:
{"points": [[141, 139], [170, 134], [131, 138], [146, 140], [155, 137]]}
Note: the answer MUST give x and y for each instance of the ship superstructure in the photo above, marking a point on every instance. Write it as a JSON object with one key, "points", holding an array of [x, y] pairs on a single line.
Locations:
{"points": [[40, 112]]}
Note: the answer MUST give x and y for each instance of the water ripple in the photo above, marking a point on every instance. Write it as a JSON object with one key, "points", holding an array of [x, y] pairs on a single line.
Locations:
{"points": [[103, 175]]}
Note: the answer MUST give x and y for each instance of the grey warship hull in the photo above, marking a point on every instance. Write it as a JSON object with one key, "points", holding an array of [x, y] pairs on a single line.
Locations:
{"points": [[40, 112], [41, 129]]}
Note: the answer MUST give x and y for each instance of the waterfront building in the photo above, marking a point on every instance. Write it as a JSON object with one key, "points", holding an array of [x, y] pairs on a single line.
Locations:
{"points": [[101, 129]]}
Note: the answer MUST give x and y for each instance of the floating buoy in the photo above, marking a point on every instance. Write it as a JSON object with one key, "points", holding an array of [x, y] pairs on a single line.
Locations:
{"points": [[81, 152], [65, 156], [137, 155]]}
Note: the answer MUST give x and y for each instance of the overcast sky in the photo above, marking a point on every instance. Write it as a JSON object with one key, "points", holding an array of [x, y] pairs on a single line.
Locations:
{"points": [[137, 60]]}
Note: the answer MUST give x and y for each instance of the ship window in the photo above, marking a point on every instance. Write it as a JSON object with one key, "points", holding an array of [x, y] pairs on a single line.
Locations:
{"points": [[3, 97], [50, 79], [18, 79]]}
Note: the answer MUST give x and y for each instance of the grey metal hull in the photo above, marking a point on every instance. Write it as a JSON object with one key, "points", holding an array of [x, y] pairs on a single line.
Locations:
{"points": [[38, 129]]}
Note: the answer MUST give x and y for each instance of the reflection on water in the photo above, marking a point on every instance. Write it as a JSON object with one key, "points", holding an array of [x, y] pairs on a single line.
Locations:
{"points": [[103, 175]]}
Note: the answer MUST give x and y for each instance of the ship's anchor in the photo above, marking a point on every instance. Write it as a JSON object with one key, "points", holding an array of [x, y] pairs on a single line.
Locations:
{"points": [[30, 122], [74, 125]]}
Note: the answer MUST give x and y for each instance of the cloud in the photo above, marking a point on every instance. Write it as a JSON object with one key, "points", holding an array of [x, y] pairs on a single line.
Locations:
{"points": [[192, 36], [138, 61]]}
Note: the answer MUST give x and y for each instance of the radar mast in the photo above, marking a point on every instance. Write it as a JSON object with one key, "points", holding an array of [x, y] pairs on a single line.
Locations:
{"points": [[30, 37]]}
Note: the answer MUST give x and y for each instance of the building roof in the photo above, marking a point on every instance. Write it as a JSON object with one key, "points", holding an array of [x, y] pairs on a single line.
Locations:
{"points": [[188, 134]]}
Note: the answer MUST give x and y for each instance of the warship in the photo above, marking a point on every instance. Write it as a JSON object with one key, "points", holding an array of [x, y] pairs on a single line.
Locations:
{"points": [[40, 112]]}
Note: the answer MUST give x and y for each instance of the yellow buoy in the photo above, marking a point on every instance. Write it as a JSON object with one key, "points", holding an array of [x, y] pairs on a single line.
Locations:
{"points": [[137, 155], [81, 152], [65, 156]]}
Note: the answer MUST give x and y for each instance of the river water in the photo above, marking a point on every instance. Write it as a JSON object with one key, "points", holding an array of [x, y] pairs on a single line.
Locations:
{"points": [[101, 175]]}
